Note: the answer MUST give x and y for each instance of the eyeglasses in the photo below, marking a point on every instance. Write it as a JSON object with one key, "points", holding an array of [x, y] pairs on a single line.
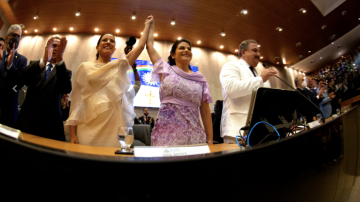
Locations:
{"points": [[14, 35]]}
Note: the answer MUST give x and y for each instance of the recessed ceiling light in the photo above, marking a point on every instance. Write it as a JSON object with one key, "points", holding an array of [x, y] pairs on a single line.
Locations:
{"points": [[37, 30], [179, 38], [332, 42], [279, 29], [118, 30], [96, 29], [133, 17], [77, 13], [54, 29], [339, 53], [155, 34], [302, 10], [320, 58], [259, 46], [236, 50], [285, 67], [172, 22], [25, 31], [222, 33], [141, 33], [221, 46], [36, 17], [261, 57], [323, 27], [244, 11], [277, 63], [359, 19], [309, 51], [71, 29], [198, 42]]}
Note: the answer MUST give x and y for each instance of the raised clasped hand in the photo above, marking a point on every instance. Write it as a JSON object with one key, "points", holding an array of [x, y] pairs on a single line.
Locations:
{"points": [[149, 20], [267, 73]]}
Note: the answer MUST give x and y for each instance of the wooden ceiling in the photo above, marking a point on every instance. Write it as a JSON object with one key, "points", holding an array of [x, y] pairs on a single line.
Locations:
{"points": [[202, 20]]}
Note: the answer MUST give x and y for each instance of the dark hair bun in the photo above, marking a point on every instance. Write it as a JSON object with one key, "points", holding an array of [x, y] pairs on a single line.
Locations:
{"points": [[131, 41]]}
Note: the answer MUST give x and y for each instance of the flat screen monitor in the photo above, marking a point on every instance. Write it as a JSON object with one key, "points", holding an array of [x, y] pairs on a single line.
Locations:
{"points": [[281, 108]]}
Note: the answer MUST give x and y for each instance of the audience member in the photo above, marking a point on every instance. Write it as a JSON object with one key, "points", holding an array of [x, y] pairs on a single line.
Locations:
{"points": [[47, 80], [316, 98], [102, 100], [11, 66], [182, 93], [146, 119], [325, 104]]}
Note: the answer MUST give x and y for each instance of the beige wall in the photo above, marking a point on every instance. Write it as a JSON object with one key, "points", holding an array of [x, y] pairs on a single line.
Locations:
{"points": [[81, 48]]}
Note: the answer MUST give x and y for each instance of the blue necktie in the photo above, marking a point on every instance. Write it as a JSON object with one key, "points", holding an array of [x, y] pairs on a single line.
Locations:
{"points": [[48, 71]]}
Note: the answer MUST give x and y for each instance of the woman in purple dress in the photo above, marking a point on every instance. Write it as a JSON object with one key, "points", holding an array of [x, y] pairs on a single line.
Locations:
{"points": [[182, 93]]}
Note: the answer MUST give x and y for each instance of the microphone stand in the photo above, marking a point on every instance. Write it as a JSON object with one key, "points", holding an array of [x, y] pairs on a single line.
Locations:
{"points": [[304, 97]]}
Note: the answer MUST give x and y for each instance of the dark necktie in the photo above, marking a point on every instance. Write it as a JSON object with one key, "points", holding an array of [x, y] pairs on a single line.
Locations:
{"points": [[252, 70], [48, 71]]}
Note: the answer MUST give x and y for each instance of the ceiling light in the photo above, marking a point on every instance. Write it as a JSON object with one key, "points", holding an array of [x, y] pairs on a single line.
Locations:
{"points": [[339, 53], [359, 19], [244, 11], [353, 64], [222, 33], [25, 31], [71, 29], [309, 51], [118, 30], [37, 30], [323, 27], [54, 29], [36, 17], [236, 50], [141, 33], [261, 57], [172, 22], [179, 38], [133, 17], [198, 42], [302, 10], [96, 29], [320, 58], [332, 42], [155, 34], [277, 63], [77, 13], [279, 29], [285, 67], [221, 46], [259, 46]]}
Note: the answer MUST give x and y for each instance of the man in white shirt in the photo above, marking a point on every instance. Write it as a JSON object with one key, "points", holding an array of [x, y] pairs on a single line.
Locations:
{"points": [[238, 79]]}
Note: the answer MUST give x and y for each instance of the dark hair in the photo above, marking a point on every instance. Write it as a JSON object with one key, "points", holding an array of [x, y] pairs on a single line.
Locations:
{"points": [[245, 45], [97, 54], [2, 39], [171, 61], [145, 108], [330, 90]]}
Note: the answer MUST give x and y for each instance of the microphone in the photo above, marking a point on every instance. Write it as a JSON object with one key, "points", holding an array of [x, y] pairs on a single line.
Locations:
{"points": [[304, 97]]}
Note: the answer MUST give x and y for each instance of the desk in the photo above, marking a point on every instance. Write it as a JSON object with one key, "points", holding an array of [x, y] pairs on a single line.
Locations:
{"points": [[274, 171]]}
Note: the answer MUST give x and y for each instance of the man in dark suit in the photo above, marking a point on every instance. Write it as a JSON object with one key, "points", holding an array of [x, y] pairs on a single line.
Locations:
{"points": [[47, 80], [146, 119], [316, 98], [11, 66], [304, 108]]}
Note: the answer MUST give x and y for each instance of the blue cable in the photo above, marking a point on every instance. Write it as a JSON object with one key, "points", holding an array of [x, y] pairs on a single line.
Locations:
{"points": [[237, 141], [248, 138]]}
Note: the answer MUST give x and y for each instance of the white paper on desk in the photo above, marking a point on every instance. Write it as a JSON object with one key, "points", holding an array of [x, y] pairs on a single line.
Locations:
{"points": [[313, 124], [170, 151], [11, 132], [335, 116]]}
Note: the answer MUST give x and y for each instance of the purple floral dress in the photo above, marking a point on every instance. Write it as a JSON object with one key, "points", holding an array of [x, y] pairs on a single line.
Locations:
{"points": [[181, 95]]}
